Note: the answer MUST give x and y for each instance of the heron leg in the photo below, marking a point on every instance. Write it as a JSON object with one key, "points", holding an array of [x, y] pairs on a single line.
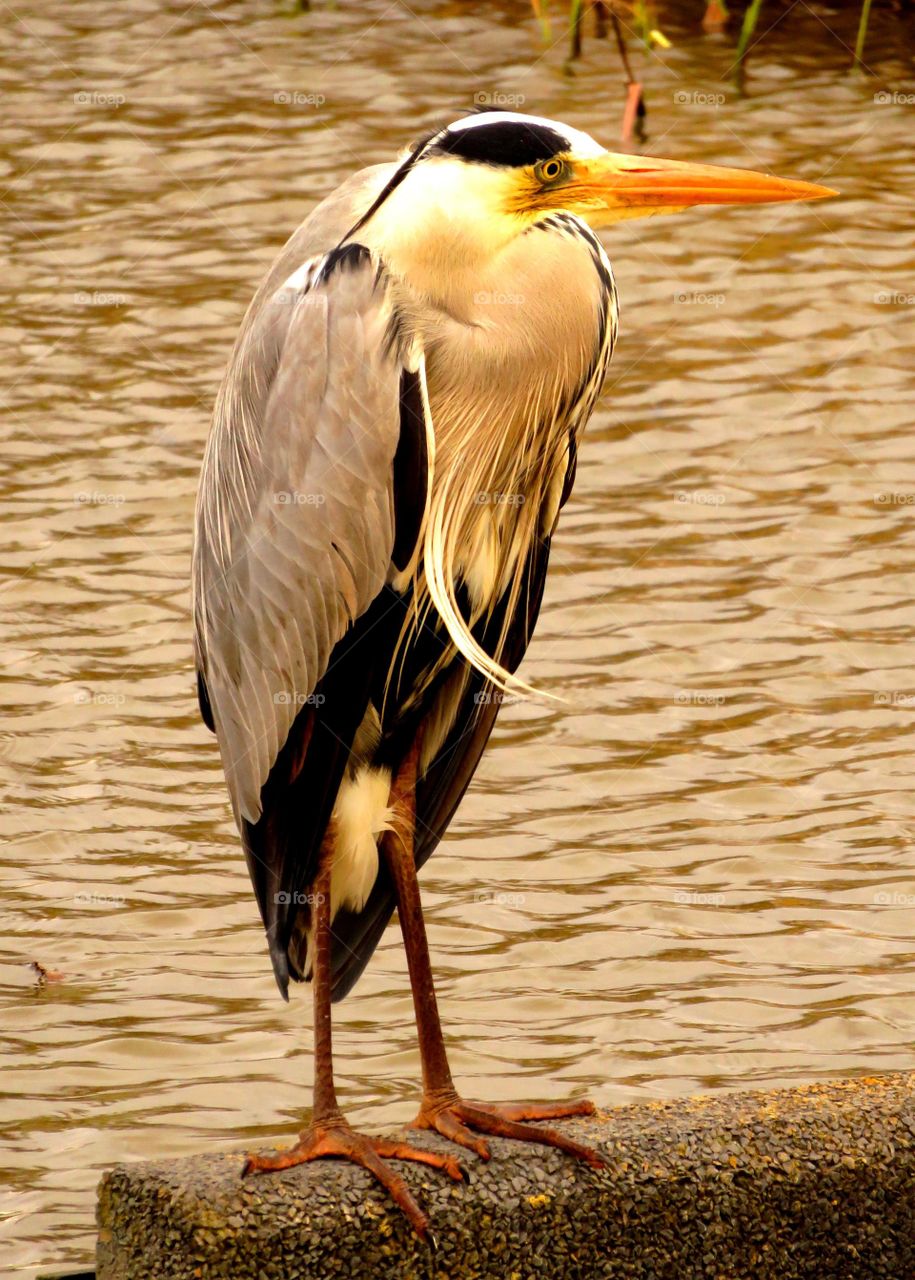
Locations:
{"points": [[442, 1107], [329, 1133]]}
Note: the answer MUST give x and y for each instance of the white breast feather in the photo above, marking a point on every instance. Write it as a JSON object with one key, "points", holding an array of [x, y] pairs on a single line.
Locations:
{"points": [[478, 561], [361, 814]]}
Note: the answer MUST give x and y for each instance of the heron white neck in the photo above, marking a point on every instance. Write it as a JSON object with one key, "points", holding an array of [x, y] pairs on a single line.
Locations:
{"points": [[441, 230]]}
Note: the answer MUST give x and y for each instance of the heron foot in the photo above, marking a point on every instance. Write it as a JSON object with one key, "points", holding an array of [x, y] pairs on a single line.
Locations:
{"points": [[337, 1138], [456, 1119]]}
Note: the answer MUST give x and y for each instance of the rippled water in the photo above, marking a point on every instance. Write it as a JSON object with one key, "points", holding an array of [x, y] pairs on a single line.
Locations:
{"points": [[700, 872]]}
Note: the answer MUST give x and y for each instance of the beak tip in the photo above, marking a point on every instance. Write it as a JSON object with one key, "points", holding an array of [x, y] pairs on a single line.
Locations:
{"points": [[816, 192]]}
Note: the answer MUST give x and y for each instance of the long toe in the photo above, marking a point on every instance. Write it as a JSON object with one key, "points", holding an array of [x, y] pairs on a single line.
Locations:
{"points": [[491, 1119], [460, 1121], [540, 1110], [403, 1151], [342, 1142], [445, 1120], [395, 1186]]}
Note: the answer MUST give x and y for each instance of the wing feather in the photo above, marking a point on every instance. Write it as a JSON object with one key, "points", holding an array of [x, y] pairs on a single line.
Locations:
{"points": [[295, 518]]}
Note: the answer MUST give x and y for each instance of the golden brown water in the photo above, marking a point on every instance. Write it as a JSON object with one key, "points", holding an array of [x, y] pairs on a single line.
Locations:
{"points": [[698, 874]]}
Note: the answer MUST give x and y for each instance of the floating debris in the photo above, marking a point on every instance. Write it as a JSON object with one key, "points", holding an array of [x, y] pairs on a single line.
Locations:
{"points": [[46, 975]]}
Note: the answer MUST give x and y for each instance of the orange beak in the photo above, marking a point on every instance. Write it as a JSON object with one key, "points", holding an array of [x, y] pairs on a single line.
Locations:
{"points": [[612, 187]]}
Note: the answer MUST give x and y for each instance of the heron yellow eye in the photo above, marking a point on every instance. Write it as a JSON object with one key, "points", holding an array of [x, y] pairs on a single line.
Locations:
{"points": [[550, 170]]}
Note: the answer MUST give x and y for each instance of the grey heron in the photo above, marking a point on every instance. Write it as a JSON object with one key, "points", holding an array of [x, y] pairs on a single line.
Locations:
{"points": [[392, 444]]}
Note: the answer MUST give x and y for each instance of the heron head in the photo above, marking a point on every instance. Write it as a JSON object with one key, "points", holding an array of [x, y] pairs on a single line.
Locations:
{"points": [[467, 190]]}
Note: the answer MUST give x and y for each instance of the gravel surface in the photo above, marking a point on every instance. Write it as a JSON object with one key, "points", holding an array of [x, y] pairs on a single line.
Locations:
{"points": [[812, 1182]]}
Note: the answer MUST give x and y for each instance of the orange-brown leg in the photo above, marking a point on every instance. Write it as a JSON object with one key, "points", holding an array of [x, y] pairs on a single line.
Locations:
{"points": [[442, 1108], [329, 1133]]}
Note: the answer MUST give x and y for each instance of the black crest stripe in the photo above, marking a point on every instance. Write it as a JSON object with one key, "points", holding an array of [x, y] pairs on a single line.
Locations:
{"points": [[395, 180], [504, 142]]}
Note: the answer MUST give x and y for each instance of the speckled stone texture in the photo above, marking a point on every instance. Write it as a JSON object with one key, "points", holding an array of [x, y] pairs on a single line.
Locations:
{"points": [[817, 1181]]}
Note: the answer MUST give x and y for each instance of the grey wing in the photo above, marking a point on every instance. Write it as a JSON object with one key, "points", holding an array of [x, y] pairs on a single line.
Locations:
{"points": [[295, 518]]}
